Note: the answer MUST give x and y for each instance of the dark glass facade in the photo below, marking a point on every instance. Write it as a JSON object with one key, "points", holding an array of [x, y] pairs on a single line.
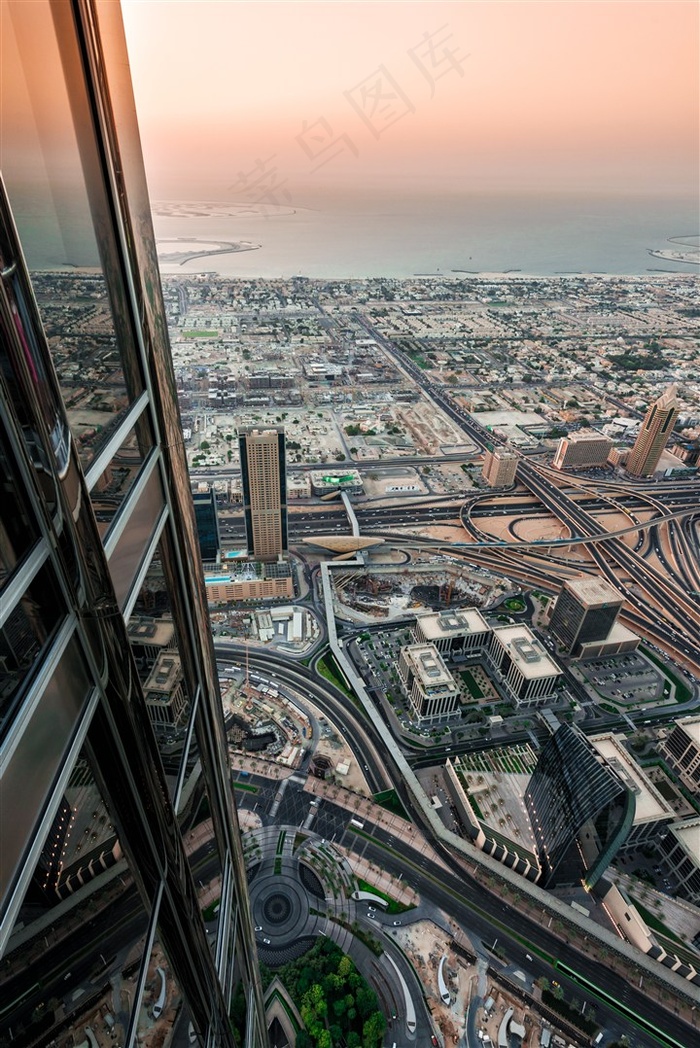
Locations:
{"points": [[575, 624], [119, 830], [207, 524], [580, 811]]}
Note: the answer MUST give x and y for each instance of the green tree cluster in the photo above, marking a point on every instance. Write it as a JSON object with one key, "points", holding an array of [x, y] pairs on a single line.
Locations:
{"points": [[335, 1002]]}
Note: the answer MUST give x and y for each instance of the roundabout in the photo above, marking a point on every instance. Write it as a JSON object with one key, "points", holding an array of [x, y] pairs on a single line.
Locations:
{"points": [[300, 888]]}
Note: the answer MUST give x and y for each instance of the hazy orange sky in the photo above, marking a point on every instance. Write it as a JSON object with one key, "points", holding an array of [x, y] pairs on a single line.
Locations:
{"points": [[297, 98]]}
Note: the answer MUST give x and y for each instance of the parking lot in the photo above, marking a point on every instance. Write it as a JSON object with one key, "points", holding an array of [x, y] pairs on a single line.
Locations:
{"points": [[627, 680]]}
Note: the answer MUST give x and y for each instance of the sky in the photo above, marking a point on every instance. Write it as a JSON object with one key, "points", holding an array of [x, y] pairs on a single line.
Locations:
{"points": [[237, 98]]}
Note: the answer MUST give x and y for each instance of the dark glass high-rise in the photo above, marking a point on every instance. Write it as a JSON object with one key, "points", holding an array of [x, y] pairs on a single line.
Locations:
{"points": [[124, 910]]}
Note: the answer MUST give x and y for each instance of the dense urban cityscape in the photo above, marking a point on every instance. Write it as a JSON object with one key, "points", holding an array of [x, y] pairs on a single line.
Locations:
{"points": [[349, 627]]}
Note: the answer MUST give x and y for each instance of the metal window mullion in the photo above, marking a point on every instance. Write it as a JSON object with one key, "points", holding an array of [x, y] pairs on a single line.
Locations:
{"points": [[186, 749], [22, 577], [100, 463], [52, 658], [145, 564], [121, 521], [221, 958], [140, 988]]}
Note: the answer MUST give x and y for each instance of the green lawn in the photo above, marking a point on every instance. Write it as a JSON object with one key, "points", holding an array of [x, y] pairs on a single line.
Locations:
{"points": [[194, 333], [473, 688]]}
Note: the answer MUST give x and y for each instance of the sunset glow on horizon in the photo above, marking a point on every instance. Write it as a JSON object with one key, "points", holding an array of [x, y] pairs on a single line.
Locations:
{"points": [[411, 96]]}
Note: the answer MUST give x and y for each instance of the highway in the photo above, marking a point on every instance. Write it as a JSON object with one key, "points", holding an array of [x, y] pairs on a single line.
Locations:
{"points": [[669, 613]]}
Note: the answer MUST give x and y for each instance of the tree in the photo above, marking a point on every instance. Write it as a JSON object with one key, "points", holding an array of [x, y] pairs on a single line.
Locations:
{"points": [[373, 1029], [204, 445]]}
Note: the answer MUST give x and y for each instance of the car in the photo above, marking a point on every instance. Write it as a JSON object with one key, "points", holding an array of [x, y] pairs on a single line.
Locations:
{"points": [[266, 941], [397, 923], [258, 927], [372, 916], [371, 908]]}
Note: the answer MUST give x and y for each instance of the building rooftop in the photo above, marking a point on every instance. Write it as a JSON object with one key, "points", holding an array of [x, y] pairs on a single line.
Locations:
{"points": [[688, 834], [152, 632], [429, 666], [436, 625], [164, 677], [585, 435], [526, 652], [691, 726], [596, 591], [649, 804]]}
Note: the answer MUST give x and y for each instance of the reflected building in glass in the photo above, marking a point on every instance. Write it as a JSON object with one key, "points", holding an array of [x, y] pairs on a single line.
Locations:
{"points": [[124, 909]]}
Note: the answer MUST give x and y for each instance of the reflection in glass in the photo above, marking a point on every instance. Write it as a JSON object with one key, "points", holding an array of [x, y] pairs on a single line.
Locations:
{"points": [[155, 646], [163, 1015], [24, 634], [17, 527], [126, 556], [72, 961], [79, 328], [51, 170], [202, 851], [113, 485]]}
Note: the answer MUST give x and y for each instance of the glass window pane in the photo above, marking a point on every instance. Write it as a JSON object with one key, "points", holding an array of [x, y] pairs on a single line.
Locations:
{"points": [[126, 557], [162, 1011], [58, 199], [156, 647], [73, 958], [37, 757], [112, 487], [25, 633], [18, 529], [202, 851]]}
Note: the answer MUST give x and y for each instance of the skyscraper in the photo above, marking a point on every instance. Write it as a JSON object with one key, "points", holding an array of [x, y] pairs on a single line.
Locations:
{"points": [[580, 810], [264, 483], [653, 436], [586, 610], [123, 900]]}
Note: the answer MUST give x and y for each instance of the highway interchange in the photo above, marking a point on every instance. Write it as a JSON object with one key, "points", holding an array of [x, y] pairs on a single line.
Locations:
{"points": [[658, 572]]}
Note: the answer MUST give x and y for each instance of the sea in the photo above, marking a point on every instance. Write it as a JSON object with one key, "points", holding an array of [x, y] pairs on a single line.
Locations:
{"points": [[359, 237], [370, 235]]}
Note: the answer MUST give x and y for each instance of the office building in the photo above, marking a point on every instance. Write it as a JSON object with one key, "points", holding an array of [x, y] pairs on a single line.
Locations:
{"points": [[207, 520], [522, 666], [653, 436], [264, 484], [583, 450], [682, 751], [330, 482], [499, 468], [586, 611], [652, 812], [430, 687], [680, 849], [124, 914], [581, 811], [464, 632]]}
